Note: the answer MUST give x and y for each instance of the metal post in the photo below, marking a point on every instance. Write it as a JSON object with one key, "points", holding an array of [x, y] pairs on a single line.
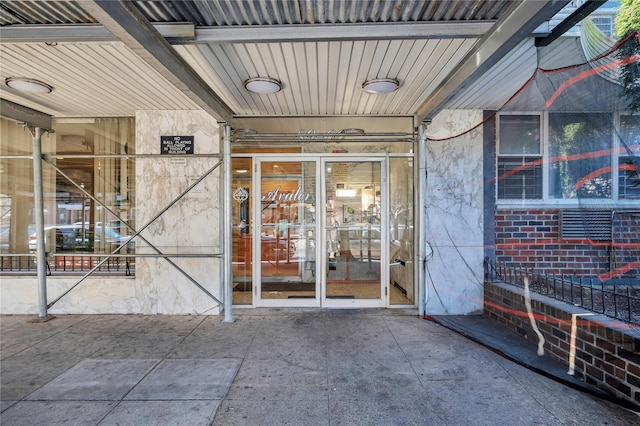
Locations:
{"points": [[226, 229], [41, 255], [420, 223]]}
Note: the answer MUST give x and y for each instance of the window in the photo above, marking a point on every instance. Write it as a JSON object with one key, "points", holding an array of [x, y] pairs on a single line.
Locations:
{"points": [[629, 160], [604, 24], [561, 158], [86, 165], [519, 157], [579, 156]]}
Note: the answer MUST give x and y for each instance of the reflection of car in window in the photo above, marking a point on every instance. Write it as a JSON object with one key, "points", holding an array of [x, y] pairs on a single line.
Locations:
{"points": [[75, 237], [59, 237]]}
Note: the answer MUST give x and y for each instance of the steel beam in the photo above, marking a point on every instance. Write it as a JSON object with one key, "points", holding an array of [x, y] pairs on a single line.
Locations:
{"points": [[187, 33], [30, 117], [86, 33], [331, 32], [129, 25], [517, 24], [578, 15]]}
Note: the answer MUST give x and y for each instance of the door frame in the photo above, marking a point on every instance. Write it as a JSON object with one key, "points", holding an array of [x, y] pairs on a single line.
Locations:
{"points": [[258, 301], [384, 299], [320, 299]]}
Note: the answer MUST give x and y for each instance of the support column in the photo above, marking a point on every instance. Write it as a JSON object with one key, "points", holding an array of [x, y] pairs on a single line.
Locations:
{"points": [[227, 225], [420, 229], [41, 256]]}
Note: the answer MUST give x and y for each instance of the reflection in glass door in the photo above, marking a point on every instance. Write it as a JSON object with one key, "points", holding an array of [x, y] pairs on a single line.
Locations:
{"points": [[286, 245], [365, 232], [354, 241]]}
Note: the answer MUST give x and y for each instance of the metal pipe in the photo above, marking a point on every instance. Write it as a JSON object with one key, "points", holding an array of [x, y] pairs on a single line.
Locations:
{"points": [[420, 224], [158, 156], [309, 140], [186, 255], [227, 225], [50, 156], [137, 233], [334, 135], [38, 198]]}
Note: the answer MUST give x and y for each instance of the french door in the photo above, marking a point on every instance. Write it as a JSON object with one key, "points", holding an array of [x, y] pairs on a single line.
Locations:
{"points": [[314, 227]]}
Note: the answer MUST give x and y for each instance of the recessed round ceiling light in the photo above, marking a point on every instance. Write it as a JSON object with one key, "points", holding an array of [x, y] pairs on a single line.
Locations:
{"points": [[380, 85], [263, 85], [28, 85], [244, 132], [352, 131]]}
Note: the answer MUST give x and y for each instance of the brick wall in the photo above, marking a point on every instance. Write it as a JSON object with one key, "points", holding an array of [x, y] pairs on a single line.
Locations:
{"points": [[607, 351], [531, 239], [625, 236]]}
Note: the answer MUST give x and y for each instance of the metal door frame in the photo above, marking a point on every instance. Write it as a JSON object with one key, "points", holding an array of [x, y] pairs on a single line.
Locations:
{"points": [[258, 301], [320, 299], [384, 299]]}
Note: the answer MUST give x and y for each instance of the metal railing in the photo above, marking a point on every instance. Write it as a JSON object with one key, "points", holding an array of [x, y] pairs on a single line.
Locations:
{"points": [[615, 298], [67, 264]]}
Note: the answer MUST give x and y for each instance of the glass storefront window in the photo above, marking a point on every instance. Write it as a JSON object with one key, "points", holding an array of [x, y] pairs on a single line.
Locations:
{"points": [[401, 200], [83, 164], [241, 209]]}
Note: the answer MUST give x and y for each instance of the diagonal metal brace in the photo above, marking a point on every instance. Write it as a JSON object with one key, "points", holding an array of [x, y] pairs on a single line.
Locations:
{"points": [[136, 233]]}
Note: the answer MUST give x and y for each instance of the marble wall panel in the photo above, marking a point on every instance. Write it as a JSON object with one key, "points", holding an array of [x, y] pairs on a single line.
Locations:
{"points": [[454, 215], [95, 295], [190, 225]]}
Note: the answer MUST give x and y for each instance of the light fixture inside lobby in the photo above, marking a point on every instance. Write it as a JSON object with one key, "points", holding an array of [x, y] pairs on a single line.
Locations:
{"points": [[380, 85], [263, 85], [28, 85]]}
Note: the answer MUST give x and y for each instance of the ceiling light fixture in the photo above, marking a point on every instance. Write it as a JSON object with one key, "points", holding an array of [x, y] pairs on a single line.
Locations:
{"points": [[263, 85], [28, 85], [380, 85]]}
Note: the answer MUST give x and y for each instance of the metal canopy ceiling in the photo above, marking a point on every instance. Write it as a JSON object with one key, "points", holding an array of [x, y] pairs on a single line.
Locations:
{"points": [[109, 58]]}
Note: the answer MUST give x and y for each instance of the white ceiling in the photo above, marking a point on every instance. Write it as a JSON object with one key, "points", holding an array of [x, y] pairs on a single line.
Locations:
{"points": [[325, 78], [94, 79], [118, 72]]}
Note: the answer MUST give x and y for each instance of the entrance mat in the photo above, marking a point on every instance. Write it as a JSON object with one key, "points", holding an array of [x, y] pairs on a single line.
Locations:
{"points": [[288, 286]]}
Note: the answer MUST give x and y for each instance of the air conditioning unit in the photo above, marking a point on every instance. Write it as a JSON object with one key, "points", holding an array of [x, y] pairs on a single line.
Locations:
{"points": [[578, 224]]}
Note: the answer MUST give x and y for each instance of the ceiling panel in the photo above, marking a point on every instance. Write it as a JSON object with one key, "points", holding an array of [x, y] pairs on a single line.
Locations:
{"points": [[88, 79], [277, 12], [325, 78], [320, 77]]}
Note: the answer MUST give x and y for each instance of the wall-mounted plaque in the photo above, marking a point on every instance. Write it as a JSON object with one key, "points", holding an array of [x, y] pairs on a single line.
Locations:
{"points": [[176, 145]]}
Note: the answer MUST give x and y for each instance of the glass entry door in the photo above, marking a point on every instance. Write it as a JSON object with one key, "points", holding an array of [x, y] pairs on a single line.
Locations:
{"points": [[285, 238], [319, 245], [354, 258]]}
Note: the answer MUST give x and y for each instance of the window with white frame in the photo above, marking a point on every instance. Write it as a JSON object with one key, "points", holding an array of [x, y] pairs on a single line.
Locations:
{"points": [[519, 157], [604, 23], [566, 157], [629, 157], [579, 155]]}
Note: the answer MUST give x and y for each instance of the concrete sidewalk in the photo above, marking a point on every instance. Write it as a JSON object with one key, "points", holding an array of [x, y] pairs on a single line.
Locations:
{"points": [[273, 367]]}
